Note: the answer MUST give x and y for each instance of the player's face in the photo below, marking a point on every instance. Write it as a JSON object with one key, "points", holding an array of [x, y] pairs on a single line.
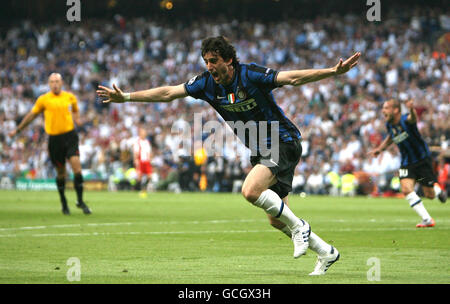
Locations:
{"points": [[221, 70], [142, 133], [388, 112], [55, 83]]}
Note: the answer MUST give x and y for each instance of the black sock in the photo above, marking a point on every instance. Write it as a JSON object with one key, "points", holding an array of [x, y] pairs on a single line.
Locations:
{"points": [[61, 185], [78, 185]]}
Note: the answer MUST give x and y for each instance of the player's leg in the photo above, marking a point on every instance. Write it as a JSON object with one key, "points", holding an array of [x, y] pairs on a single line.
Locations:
{"points": [[428, 180], [77, 176], [57, 158], [439, 193], [255, 190], [61, 186], [72, 153], [431, 192], [327, 255], [139, 182], [316, 244], [415, 202], [144, 174], [277, 224], [143, 181], [75, 163]]}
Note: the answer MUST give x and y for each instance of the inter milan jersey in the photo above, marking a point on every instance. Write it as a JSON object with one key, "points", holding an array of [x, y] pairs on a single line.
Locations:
{"points": [[409, 141], [247, 99]]}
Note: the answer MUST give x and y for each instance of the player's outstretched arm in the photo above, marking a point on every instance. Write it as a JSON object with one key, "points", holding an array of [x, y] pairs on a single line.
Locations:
{"points": [[412, 116], [383, 146], [160, 94], [299, 77]]}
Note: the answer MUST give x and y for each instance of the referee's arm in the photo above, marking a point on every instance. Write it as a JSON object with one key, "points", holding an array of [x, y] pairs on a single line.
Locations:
{"points": [[76, 118], [25, 122]]}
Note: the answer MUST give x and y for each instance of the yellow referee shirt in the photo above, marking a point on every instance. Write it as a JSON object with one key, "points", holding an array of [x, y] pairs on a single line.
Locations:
{"points": [[57, 111]]}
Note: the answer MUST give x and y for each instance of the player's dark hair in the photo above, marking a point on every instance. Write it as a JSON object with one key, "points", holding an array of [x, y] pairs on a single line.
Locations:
{"points": [[221, 46], [395, 104]]}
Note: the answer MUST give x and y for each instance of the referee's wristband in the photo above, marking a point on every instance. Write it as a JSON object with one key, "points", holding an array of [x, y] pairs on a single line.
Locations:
{"points": [[126, 96]]}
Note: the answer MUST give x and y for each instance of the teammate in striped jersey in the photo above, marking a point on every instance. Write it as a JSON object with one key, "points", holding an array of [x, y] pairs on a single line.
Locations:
{"points": [[416, 165]]}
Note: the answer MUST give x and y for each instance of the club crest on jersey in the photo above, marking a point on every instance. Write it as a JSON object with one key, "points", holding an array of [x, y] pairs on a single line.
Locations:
{"points": [[191, 81], [231, 98], [241, 94]]}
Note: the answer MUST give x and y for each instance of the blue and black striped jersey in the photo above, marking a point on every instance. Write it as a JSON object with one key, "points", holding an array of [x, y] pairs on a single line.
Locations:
{"points": [[247, 99], [409, 141]]}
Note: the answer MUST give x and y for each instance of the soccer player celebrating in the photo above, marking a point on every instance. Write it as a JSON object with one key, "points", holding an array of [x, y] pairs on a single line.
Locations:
{"points": [[142, 152], [415, 158], [63, 139], [242, 93]]}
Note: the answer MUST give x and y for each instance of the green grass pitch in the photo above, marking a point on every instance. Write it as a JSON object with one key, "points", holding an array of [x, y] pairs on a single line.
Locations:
{"points": [[194, 238]]}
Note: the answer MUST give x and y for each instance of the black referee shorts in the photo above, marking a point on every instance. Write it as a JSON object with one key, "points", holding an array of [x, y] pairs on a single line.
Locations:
{"points": [[62, 147], [422, 172], [284, 168]]}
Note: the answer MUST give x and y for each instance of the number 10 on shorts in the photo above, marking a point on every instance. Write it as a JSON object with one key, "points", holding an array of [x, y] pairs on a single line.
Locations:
{"points": [[403, 172]]}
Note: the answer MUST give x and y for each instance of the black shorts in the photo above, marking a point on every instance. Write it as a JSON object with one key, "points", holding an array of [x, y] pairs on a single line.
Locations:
{"points": [[62, 147], [422, 172], [284, 168]]}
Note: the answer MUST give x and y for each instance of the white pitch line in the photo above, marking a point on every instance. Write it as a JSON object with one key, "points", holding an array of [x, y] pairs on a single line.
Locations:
{"points": [[204, 222], [130, 223], [204, 232], [136, 233]]}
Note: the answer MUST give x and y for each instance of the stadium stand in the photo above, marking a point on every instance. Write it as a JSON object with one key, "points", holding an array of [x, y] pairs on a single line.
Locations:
{"points": [[339, 118]]}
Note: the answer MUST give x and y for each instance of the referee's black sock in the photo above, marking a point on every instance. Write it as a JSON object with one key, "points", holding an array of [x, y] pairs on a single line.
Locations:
{"points": [[78, 185], [61, 185]]}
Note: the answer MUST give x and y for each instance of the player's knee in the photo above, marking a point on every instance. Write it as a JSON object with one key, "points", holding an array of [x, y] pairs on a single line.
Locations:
{"points": [[407, 190], [250, 194], [61, 173]]}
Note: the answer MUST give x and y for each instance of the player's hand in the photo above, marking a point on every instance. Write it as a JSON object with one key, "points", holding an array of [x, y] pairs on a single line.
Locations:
{"points": [[374, 153], [409, 104], [112, 95], [344, 66], [12, 133]]}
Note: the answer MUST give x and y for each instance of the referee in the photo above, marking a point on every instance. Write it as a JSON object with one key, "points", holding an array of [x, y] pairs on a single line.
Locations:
{"points": [[58, 107]]}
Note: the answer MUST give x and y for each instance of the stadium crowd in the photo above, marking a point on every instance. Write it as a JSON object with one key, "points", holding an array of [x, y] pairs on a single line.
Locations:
{"points": [[339, 118]]}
